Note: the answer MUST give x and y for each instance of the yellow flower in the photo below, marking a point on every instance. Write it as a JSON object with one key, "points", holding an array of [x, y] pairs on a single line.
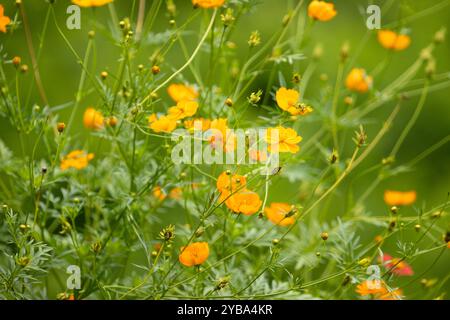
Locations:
{"points": [[245, 201], [152, 118], [321, 10], [180, 92], [183, 109], [4, 20], [163, 124], [287, 99], [277, 212], [220, 137], [208, 3], [358, 80], [392, 40], [93, 119], [77, 159], [399, 198], [205, 123], [194, 254], [286, 141], [91, 3]]}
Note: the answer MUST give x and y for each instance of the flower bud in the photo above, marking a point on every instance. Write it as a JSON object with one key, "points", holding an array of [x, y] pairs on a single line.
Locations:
{"points": [[439, 36], [60, 127], [296, 77], [364, 262], [348, 101], [104, 75], [24, 68], [16, 61], [229, 102], [156, 70]]}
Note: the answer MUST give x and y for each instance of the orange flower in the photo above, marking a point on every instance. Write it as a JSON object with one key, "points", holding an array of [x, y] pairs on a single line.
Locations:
{"points": [[159, 193], [208, 3], [286, 141], [277, 212], [205, 124], [392, 40], [371, 287], [183, 109], [194, 254], [321, 10], [399, 198], [93, 119], [163, 124], [378, 290], [395, 294], [245, 201], [91, 3], [176, 193], [230, 183], [180, 92], [358, 80], [77, 159], [4, 20]]}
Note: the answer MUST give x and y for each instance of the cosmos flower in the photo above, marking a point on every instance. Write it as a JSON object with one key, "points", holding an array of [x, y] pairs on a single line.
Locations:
{"points": [[180, 92], [162, 124], [228, 182], [206, 4], [399, 198], [4, 20], [358, 80], [278, 213], [321, 10], [183, 109], [393, 41], [194, 254], [77, 159], [282, 139], [245, 201], [378, 290], [91, 3], [93, 119]]}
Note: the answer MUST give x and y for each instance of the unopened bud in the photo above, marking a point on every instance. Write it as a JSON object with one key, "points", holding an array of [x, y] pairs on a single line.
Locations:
{"points": [[156, 70], [229, 102], [16, 61]]}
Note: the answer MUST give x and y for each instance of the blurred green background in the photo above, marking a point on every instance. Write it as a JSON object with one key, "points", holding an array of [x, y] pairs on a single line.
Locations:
{"points": [[431, 177]]}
